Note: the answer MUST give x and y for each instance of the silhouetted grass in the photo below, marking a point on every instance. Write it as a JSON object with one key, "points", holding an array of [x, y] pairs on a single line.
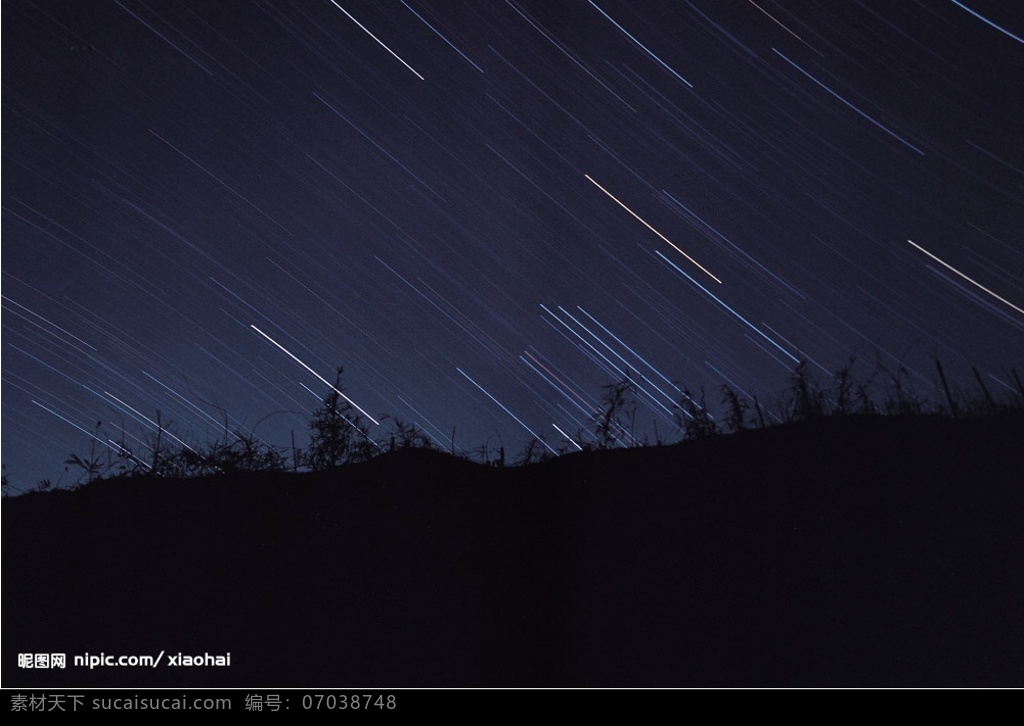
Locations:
{"points": [[339, 435]]}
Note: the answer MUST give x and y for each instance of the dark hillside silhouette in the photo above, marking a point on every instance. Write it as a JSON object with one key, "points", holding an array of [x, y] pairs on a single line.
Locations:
{"points": [[840, 551]]}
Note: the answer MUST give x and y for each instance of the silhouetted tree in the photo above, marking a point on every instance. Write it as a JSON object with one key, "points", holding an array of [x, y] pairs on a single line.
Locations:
{"points": [[337, 433]]}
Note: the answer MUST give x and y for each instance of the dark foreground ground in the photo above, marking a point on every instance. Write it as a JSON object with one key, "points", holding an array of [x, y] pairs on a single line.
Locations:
{"points": [[845, 552]]}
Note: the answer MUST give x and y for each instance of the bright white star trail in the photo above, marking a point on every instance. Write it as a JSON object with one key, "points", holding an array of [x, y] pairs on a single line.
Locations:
{"points": [[644, 223], [973, 282], [318, 376], [381, 42]]}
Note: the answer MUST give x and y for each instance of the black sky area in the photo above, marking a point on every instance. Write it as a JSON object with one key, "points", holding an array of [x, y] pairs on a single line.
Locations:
{"points": [[485, 211]]}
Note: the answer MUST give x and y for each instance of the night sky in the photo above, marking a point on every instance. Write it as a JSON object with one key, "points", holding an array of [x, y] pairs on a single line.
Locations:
{"points": [[486, 211]]}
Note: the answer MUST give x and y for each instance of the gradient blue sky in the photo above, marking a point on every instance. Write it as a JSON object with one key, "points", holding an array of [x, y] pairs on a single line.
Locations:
{"points": [[485, 211]]}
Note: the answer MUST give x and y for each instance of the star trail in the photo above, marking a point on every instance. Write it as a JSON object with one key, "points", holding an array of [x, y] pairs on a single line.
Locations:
{"points": [[487, 211]]}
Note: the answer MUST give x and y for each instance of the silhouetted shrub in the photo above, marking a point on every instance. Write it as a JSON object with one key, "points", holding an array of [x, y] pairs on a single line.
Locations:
{"points": [[696, 421], [407, 436], [807, 400], [736, 409], [615, 423]]}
